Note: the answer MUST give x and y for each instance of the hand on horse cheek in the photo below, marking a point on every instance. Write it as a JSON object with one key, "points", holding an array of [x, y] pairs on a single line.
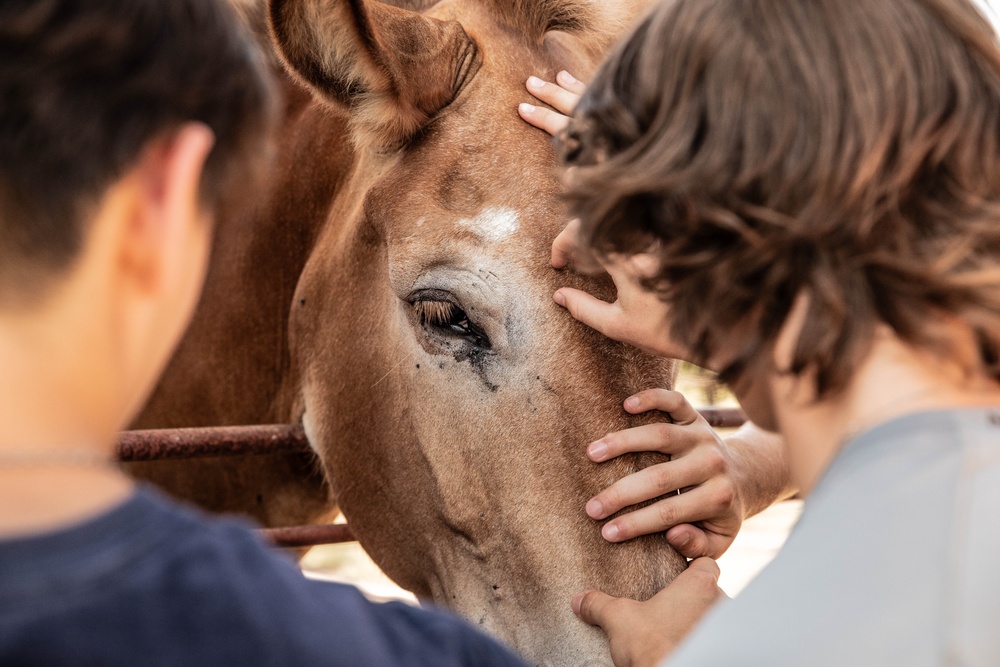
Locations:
{"points": [[701, 521]]}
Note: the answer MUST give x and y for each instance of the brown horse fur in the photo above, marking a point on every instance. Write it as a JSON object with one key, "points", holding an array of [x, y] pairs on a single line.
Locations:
{"points": [[456, 452], [453, 435], [229, 367]]}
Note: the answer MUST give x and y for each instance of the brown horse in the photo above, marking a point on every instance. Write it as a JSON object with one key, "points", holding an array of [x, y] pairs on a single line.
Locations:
{"points": [[448, 398]]}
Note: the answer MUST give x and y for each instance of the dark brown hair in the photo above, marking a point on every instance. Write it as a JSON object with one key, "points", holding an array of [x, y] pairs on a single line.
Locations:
{"points": [[85, 85], [765, 147]]}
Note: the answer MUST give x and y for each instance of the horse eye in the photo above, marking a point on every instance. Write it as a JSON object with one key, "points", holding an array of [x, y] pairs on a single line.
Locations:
{"points": [[448, 319]]}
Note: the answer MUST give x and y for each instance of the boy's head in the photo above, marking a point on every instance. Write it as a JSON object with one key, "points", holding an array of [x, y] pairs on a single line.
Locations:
{"points": [[86, 86], [124, 126], [848, 151]]}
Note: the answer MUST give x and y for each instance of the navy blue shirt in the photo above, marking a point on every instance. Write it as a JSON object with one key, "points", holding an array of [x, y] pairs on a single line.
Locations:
{"points": [[152, 583]]}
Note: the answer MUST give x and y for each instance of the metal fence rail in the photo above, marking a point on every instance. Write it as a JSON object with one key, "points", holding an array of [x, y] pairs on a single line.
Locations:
{"points": [[309, 536], [192, 443]]}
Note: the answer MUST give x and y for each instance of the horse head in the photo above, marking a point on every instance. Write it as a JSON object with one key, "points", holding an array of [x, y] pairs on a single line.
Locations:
{"points": [[448, 397]]}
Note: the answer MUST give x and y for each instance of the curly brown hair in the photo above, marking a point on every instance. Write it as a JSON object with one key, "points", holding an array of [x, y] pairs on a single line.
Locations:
{"points": [[762, 148]]}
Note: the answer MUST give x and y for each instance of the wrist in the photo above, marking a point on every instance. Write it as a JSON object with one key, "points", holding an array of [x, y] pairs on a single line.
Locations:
{"points": [[760, 471]]}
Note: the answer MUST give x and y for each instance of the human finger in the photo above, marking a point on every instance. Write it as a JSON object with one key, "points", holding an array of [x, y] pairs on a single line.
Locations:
{"points": [[662, 437], [665, 400], [570, 83], [702, 578], [646, 484], [694, 542], [707, 500], [548, 120], [565, 245], [695, 590], [596, 608], [706, 566], [601, 316], [553, 94]]}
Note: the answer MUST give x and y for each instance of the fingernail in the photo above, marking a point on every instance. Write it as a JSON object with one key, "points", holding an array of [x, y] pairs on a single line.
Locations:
{"points": [[559, 298], [535, 82], [526, 108], [569, 78], [610, 532], [577, 602], [682, 541], [597, 451], [594, 508], [632, 403]]}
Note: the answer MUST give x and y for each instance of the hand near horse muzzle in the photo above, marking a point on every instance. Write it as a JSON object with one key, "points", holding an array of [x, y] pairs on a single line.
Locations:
{"points": [[706, 490], [700, 506], [641, 634]]}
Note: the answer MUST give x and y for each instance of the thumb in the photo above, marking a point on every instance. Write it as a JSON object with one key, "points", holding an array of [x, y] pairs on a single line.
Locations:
{"points": [[703, 567], [694, 542], [593, 607], [689, 540], [564, 247]]}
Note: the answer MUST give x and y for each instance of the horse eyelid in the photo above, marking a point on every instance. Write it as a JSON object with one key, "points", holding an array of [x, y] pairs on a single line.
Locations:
{"points": [[436, 313], [442, 314]]}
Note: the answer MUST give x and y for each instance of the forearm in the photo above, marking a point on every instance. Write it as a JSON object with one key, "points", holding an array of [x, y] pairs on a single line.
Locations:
{"points": [[762, 474]]}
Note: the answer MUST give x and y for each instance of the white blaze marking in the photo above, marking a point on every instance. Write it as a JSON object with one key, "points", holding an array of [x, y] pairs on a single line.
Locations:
{"points": [[494, 224]]}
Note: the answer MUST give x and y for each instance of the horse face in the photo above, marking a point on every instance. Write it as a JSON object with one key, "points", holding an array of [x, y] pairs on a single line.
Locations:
{"points": [[450, 400]]}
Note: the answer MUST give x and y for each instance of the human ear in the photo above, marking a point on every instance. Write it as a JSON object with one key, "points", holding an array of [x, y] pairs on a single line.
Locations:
{"points": [[783, 354], [162, 241], [169, 216], [788, 387]]}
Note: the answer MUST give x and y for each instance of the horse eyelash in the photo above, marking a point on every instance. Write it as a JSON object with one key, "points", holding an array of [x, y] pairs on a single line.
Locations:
{"points": [[436, 313]]}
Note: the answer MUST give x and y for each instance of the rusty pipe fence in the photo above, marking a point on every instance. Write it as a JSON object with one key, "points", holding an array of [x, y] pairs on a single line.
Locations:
{"points": [[192, 443]]}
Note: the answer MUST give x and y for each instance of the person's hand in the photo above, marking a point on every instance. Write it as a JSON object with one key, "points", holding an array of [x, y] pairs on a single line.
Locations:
{"points": [[641, 634], [638, 317], [701, 521], [561, 96]]}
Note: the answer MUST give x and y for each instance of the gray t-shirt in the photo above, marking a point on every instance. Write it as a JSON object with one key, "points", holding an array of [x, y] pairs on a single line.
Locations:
{"points": [[895, 560]]}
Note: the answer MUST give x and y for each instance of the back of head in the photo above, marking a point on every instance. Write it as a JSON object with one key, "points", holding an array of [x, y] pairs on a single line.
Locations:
{"points": [[85, 86], [767, 147]]}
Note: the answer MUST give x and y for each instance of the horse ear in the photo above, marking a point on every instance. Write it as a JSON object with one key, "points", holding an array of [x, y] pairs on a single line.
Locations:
{"points": [[393, 68]]}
